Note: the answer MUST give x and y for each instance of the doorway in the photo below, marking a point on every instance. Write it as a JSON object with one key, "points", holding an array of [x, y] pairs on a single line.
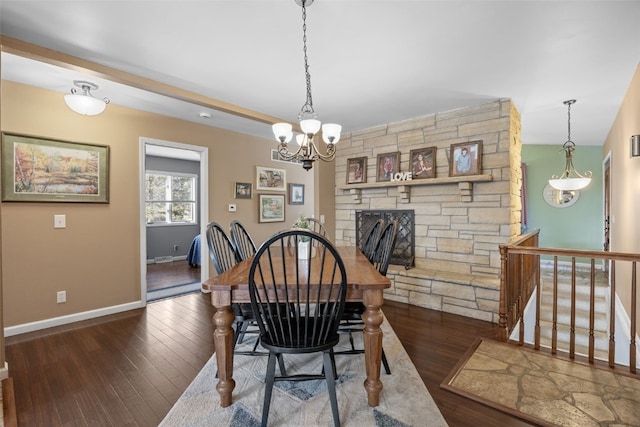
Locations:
{"points": [[170, 230]]}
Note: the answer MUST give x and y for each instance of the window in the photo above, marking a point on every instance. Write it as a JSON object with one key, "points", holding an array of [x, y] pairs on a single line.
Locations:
{"points": [[170, 198]]}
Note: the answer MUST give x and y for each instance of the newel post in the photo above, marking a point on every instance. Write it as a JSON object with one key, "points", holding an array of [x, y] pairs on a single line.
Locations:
{"points": [[503, 326]]}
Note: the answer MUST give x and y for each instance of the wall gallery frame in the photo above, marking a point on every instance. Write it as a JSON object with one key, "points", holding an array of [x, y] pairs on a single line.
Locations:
{"points": [[271, 179], [423, 163], [296, 194], [357, 170], [271, 208], [243, 190], [465, 158], [46, 170], [388, 165]]}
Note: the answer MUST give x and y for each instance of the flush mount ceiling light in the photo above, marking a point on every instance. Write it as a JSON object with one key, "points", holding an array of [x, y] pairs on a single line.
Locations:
{"points": [[571, 179], [84, 103], [307, 151]]}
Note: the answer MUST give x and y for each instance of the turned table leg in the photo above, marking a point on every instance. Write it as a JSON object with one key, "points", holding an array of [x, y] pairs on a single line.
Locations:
{"points": [[223, 342], [372, 318]]}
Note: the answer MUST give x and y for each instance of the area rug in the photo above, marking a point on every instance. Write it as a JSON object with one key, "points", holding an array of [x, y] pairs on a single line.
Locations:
{"points": [[543, 389], [404, 400]]}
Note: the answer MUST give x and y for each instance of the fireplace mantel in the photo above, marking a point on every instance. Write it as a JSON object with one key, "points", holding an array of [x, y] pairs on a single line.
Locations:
{"points": [[465, 185]]}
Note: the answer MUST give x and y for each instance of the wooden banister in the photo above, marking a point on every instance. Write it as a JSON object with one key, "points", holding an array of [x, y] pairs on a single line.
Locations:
{"points": [[520, 277]]}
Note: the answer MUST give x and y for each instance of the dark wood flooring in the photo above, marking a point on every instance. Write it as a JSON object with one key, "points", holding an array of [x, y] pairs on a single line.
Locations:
{"points": [[128, 369], [167, 274]]}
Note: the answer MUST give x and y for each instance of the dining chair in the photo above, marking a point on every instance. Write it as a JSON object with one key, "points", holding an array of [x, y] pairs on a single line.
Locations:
{"points": [[352, 316], [223, 255], [242, 241], [244, 248], [314, 293], [317, 226], [370, 239]]}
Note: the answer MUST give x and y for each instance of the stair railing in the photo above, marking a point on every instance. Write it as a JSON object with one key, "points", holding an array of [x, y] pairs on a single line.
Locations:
{"points": [[520, 277]]}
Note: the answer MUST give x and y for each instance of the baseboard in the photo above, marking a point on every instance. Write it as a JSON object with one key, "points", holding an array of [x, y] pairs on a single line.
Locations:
{"points": [[175, 258], [71, 318], [566, 265]]}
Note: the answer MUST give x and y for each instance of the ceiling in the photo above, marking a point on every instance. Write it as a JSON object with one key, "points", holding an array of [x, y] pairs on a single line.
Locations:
{"points": [[371, 62]]}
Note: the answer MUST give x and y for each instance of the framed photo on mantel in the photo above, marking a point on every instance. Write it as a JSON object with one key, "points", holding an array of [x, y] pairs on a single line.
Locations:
{"points": [[465, 158]]}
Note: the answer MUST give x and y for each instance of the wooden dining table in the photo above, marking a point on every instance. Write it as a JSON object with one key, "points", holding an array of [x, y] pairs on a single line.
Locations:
{"points": [[365, 284]]}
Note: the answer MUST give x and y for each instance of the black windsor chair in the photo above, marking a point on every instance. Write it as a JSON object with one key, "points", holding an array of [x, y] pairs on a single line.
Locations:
{"points": [[352, 316], [242, 241], [298, 305], [370, 239]]}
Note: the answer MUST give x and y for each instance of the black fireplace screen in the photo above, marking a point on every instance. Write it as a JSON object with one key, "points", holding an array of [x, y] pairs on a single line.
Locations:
{"points": [[404, 251]]}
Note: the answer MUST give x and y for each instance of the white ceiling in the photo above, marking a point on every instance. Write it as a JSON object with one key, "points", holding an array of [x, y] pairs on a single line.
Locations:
{"points": [[371, 62]]}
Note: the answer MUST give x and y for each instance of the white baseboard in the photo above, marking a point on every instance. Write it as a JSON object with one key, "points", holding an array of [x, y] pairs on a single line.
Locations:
{"points": [[71, 318], [4, 372], [175, 258]]}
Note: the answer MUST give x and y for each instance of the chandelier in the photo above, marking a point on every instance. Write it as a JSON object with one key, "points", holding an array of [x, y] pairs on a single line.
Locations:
{"points": [[307, 151], [570, 179], [85, 103]]}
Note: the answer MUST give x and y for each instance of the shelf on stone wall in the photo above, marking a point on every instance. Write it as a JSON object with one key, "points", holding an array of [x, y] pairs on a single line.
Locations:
{"points": [[465, 185]]}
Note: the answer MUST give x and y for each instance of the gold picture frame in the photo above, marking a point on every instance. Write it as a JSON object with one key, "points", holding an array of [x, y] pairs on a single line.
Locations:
{"points": [[36, 169]]}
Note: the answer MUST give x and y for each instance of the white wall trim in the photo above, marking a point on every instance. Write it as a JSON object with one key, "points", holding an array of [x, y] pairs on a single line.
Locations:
{"points": [[4, 372], [622, 334], [71, 318]]}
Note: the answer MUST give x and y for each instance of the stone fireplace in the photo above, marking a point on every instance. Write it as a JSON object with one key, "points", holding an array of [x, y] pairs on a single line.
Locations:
{"points": [[459, 221]]}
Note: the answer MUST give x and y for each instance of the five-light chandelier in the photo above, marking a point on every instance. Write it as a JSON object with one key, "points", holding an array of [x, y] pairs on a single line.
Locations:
{"points": [[570, 179], [307, 151]]}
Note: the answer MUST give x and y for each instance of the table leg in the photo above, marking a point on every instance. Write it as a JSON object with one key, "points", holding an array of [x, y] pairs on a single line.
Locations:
{"points": [[372, 318], [223, 342]]}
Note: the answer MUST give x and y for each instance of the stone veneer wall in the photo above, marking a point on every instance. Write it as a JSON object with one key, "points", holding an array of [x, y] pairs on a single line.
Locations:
{"points": [[459, 226]]}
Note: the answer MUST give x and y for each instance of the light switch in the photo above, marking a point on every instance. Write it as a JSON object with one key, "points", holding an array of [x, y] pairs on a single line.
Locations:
{"points": [[232, 208], [59, 221]]}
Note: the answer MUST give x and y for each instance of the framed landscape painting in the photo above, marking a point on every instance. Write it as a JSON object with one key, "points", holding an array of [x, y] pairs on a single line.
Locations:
{"points": [[271, 179], [242, 190], [271, 208], [38, 169], [465, 158]]}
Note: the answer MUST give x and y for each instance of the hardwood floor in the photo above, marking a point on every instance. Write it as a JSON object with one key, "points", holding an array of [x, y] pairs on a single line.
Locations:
{"points": [[128, 369], [164, 275]]}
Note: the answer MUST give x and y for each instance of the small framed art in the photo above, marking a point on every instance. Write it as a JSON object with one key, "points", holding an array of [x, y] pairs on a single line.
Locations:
{"points": [[465, 158], [271, 179], [296, 194], [243, 190], [423, 163], [271, 208], [357, 170], [388, 165]]}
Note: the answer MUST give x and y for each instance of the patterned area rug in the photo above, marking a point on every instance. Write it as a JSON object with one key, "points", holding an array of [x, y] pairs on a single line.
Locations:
{"points": [[543, 389], [404, 400]]}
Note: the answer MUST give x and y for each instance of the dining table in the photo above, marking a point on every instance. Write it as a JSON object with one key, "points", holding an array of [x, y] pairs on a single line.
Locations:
{"points": [[364, 284]]}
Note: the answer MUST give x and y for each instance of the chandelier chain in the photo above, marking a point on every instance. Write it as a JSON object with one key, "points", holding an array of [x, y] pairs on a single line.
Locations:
{"points": [[307, 108]]}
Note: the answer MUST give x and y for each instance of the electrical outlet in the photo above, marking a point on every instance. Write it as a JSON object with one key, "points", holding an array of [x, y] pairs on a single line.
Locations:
{"points": [[59, 221], [175, 247], [61, 296]]}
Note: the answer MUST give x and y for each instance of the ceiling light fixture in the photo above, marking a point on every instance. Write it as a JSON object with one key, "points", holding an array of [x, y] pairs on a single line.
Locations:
{"points": [[85, 103], [307, 151], [571, 179]]}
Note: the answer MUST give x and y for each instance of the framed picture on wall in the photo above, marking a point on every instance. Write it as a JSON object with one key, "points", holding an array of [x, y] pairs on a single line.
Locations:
{"points": [[423, 163], [296, 194], [47, 170], [271, 179], [388, 165], [465, 158], [271, 208], [243, 190], [357, 170]]}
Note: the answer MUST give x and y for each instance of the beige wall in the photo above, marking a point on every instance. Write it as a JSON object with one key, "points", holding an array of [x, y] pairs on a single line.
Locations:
{"points": [[625, 185], [96, 259]]}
